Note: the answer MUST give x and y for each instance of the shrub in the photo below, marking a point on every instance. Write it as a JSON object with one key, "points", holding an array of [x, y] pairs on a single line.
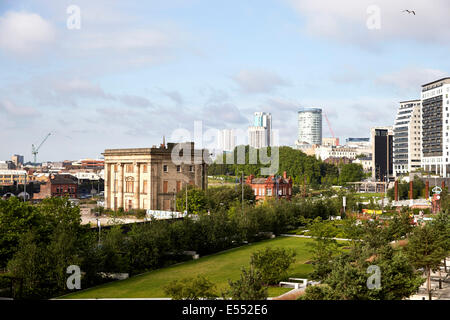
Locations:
{"points": [[273, 263], [191, 289], [248, 287]]}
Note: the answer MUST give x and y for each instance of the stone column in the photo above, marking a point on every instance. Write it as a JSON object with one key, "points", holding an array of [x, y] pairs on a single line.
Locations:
{"points": [[149, 187], [137, 189], [120, 186], [107, 188]]}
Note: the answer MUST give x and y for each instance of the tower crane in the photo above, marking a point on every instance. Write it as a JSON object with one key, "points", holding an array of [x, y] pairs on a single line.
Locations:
{"points": [[34, 150], [329, 125]]}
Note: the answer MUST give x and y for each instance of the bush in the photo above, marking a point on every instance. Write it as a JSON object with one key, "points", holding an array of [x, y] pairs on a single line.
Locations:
{"points": [[191, 289], [273, 263], [248, 287]]}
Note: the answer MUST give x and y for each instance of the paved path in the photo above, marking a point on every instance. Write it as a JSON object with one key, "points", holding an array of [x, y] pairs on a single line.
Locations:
{"points": [[437, 294], [309, 237]]}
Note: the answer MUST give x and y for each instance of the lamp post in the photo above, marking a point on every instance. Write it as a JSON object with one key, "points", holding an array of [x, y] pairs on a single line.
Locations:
{"points": [[242, 187]]}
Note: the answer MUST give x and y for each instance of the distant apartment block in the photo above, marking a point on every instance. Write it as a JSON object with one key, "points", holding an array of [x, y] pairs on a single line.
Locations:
{"points": [[330, 142], [260, 134], [18, 160], [435, 126], [324, 152], [89, 164], [148, 178], [407, 137], [366, 163], [227, 140], [9, 177], [7, 165]]}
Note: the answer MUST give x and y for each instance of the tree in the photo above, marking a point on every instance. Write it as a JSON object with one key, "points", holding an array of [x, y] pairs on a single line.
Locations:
{"points": [[273, 263], [348, 277], [191, 289], [196, 200], [399, 227], [16, 219], [26, 265], [425, 251], [248, 287], [351, 172], [324, 246]]}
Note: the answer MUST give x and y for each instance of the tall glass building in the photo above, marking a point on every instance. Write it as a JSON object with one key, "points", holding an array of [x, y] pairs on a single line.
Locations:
{"points": [[260, 134], [309, 126]]}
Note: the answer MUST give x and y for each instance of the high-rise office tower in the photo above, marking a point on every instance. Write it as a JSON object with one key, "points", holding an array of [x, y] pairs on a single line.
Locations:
{"points": [[260, 134], [382, 155], [435, 126], [407, 137], [309, 126]]}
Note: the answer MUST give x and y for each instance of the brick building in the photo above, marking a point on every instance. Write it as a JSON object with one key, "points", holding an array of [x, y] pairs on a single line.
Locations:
{"points": [[58, 186], [149, 178], [271, 186]]}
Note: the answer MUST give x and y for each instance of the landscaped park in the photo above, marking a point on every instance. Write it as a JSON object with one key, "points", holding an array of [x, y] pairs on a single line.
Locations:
{"points": [[218, 268]]}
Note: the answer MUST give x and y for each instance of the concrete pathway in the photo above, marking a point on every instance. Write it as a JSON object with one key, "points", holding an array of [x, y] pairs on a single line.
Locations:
{"points": [[309, 237]]}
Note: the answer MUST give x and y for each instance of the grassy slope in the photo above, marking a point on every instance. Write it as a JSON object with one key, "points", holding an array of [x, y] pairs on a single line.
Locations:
{"points": [[218, 268]]}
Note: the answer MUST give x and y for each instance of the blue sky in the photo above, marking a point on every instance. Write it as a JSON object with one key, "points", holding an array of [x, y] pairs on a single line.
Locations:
{"points": [[136, 70]]}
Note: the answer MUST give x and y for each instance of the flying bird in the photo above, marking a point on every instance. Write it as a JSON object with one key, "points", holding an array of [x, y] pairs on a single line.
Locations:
{"points": [[410, 11]]}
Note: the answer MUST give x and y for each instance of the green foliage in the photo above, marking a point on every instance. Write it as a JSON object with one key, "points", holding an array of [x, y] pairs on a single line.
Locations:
{"points": [[16, 219], [403, 190], [350, 172], [273, 263], [248, 287], [347, 279], [323, 248], [191, 289], [296, 164], [196, 200]]}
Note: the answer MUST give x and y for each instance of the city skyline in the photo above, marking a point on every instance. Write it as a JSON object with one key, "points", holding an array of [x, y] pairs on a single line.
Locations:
{"points": [[136, 72]]}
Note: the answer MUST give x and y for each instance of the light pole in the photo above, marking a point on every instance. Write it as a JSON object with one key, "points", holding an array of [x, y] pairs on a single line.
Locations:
{"points": [[242, 185]]}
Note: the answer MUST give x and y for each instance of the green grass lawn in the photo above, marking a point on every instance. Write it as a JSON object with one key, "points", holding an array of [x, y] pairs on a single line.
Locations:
{"points": [[218, 268]]}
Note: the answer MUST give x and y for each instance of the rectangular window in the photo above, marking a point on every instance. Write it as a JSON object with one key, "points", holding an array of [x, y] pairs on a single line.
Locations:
{"points": [[145, 169], [129, 186], [165, 186], [178, 168], [166, 205], [115, 168], [165, 168], [178, 186], [144, 187], [191, 168]]}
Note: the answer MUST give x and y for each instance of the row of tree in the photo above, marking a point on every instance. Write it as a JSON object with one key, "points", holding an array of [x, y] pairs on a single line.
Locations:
{"points": [[39, 242], [399, 268], [302, 168]]}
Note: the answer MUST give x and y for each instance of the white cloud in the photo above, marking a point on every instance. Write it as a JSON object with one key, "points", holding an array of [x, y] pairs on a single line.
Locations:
{"points": [[25, 33], [14, 110], [258, 81], [410, 79], [346, 20]]}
